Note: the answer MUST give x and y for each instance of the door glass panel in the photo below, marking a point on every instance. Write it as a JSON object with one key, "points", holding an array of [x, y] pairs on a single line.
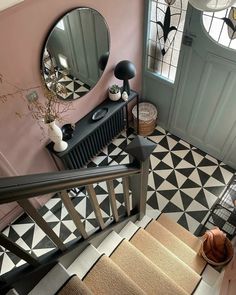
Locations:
{"points": [[221, 26]]}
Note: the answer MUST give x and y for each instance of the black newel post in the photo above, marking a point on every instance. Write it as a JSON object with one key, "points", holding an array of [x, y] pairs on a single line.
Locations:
{"points": [[140, 149]]}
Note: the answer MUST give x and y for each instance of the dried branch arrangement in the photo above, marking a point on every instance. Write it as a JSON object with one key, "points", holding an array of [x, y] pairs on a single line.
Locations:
{"points": [[17, 90], [50, 108], [47, 108]]}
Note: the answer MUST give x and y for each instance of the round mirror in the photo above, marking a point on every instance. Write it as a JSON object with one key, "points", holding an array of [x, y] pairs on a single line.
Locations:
{"points": [[75, 53]]}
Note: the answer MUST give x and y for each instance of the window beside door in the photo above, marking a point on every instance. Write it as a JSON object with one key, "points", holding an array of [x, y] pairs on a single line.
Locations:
{"points": [[165, 30]]}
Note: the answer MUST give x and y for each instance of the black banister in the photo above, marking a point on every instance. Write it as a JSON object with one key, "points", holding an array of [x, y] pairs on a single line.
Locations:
{"points": [[135, 184], [22, 187]]}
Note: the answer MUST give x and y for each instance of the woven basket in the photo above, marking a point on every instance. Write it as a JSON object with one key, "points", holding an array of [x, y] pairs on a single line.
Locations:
{"points": [[147, 118]]}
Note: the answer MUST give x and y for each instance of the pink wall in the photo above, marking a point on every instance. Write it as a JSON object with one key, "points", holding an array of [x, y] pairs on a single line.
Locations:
{"points": [[22, 30]]}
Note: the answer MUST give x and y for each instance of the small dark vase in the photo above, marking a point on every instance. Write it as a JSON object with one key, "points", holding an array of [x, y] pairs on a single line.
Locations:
{"points": [[67, 131]]}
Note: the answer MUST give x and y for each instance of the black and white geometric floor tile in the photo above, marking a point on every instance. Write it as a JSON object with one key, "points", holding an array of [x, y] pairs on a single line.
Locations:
{"points": [[184, 182], [73, 86]]}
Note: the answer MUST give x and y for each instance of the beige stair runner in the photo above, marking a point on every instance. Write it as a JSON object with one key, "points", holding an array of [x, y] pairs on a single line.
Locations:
{"points": [[74, 286], [151, 261], [180, 232], [176, 246], [172, 266], [106, 278], [150, 278]]}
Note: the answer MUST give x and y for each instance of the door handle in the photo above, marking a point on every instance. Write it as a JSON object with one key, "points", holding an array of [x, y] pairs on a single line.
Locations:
{"points": [[187, 40]]}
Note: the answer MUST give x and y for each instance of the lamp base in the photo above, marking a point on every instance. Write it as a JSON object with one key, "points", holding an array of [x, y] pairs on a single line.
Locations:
{"points": [[126, 86]]}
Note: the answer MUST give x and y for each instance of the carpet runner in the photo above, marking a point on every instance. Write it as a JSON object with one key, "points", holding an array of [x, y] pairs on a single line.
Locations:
{"points": [[74, 286], [107, 278], [176, 246], [149, 257], [180, 232], [171, 265]]}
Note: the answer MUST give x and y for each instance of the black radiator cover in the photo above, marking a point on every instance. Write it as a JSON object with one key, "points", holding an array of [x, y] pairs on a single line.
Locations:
{"points": [[90, 136]]}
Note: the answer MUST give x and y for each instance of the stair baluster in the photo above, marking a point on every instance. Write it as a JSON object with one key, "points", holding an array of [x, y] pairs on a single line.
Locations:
{"points": [[73, 213], [38, 219], [17, 250], [125, 182], [112, 198], [94, 202]]}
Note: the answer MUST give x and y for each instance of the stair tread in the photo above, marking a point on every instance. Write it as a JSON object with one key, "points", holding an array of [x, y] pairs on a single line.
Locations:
{"points": [[171, 265], [203, 289], [84, 262], [210, 275], [74, 286], [180, 232], [129, 230], [107, 278], [143, 272], [176, 246], [51, 282], [144, 221], [109, 244]]}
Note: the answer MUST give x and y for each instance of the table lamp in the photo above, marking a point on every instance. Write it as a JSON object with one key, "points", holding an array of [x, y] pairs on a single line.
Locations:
{"points": [[125, 70]]}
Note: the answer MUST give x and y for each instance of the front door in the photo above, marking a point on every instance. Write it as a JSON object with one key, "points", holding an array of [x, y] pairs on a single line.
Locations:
{"points": [[204, 108]]}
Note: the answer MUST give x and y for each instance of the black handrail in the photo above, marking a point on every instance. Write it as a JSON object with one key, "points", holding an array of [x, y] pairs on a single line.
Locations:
{"points": [[20, 188], [27, 186]]}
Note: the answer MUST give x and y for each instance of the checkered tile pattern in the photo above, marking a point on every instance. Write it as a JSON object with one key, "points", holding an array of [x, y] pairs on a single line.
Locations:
{"points": [[184, 182], [74, 87]]}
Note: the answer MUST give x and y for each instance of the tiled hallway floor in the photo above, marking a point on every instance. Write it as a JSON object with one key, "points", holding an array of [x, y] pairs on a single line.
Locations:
{"points": [[184, 182]]}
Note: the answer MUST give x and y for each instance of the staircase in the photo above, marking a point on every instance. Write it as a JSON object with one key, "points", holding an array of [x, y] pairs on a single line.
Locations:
{"points": [[151, 256], [135, 254]]}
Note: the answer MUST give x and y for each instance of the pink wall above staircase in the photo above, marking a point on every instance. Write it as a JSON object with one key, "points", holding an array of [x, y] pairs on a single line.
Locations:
{"points": [[23, 30]]}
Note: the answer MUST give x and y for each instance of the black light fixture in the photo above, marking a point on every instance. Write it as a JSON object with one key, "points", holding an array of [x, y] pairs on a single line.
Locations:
{"points": [[125, 70]]}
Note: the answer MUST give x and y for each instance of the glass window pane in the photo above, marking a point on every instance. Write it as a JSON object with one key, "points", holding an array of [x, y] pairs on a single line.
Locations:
{"points": [[153, 31], [153, 11], [172, 73], [206, 22], [233, 44], [215, 28], [163, 53], [224, 37], [175, 57], [218, 28], [182, 22]]}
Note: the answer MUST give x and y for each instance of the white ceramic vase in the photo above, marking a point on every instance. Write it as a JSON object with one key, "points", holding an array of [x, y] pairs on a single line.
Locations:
{"points": [[115, 96], [55, 134]]}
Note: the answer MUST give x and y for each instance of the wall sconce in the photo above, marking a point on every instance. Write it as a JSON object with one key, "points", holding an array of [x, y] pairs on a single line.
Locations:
{"points": [[4, 4], [211, 5], [125, 70]]}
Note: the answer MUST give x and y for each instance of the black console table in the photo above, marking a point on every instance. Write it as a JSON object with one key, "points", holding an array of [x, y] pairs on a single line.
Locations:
{"points": [[90, 137]]}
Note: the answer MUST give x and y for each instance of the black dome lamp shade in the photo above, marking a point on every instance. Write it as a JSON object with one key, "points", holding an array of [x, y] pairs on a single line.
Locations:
{"points": [[125, 70]]}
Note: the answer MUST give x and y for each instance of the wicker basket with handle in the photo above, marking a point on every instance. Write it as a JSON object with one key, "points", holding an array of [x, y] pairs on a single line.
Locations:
{"points": [[147, 118]]}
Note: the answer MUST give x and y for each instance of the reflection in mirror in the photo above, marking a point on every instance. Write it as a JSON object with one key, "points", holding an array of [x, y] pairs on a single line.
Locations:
{"points": [[76, 52]]}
